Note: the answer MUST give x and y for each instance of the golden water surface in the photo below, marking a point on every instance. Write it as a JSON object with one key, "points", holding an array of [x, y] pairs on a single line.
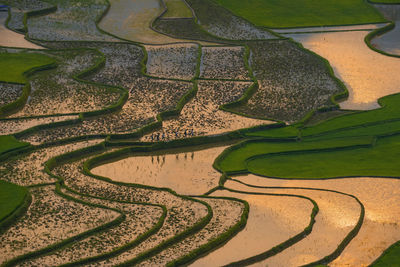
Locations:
{"points": [[368, 75]]}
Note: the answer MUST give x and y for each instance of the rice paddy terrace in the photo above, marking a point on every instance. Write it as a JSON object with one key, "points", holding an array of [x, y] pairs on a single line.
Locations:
{"points": [[199, 132]]}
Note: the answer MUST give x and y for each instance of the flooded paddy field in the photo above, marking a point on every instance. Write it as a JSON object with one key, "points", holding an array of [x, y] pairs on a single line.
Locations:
{"points": [[19, 8], [139, 183], [186, 171], [338, 215], [28, 169], [131, 20], [140, 219], [223, 63], [12, 126], [12, 39], [291, 81], [379, 196], [72, 21], [222, 23], [147, 98], [390, 41], [367, 74], [272, 220], [46, 218], [183, 213], [57, 91], [226, 213], [177, 61], [202, 115]]}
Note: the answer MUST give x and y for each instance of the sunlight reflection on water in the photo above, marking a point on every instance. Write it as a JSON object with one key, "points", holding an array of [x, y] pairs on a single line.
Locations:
{"points": [[368, 75]]}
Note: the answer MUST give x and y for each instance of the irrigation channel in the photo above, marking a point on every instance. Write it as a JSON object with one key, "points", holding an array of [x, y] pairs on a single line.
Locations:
{"points": [[150, 196]]}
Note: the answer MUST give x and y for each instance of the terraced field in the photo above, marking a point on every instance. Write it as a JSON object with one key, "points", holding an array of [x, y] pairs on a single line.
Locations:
{"points": [[188, 132]]}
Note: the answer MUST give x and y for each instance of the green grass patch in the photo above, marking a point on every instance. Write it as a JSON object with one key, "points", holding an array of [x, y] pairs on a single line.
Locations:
{"points": [[8, 143], [301, 13], [11, 197], [390, 257], [14, 65], [390, 110], [378, 129], [177, 9], [284, 132], [235, 159], [379, 160]]}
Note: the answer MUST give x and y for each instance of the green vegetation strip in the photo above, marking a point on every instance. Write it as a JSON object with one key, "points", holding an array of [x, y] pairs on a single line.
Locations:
{"points": [[379, 160], [233, 159], [8, 143], [389, 111], [15, 66], [390, 257], [303, 13], [12, 196]]}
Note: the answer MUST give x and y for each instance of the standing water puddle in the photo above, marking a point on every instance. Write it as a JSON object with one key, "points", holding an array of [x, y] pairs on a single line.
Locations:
{"points": [[390, 41], [186, 171], [367, 74]]}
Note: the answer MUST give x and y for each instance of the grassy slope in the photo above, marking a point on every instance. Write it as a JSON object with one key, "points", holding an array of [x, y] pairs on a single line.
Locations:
{"points": [[13, 65], [380, 160], [284, 132], [8, 143], [389, 111], [177, 9], [11, 196], [390, 257], [300, 13], [235, 160], [346, 128]]}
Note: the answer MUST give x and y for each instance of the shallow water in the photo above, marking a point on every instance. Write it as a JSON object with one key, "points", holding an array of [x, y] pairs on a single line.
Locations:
{"points": [[381, 226], [131, 19], [390, 41], [337, 216], [187, 171], [368, 75], [11, 38], [272, 220]]}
